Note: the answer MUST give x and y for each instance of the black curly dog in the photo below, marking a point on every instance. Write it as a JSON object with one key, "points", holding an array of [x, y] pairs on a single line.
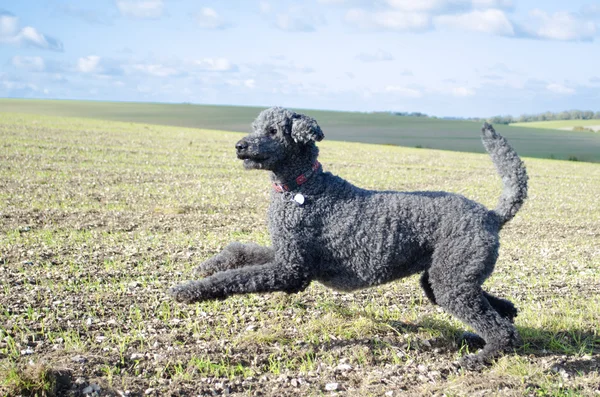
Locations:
{"points": [[324, 228]]}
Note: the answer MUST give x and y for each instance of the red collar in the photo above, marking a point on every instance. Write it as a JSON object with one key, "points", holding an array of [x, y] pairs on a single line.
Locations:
{"points": [[292, 185]]}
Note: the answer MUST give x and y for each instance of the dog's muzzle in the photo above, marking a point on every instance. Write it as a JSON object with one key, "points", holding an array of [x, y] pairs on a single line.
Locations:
{"points": [[241, 149]]}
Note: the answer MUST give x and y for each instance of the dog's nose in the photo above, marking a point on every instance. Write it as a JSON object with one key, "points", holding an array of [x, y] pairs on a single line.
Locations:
{"points": [[241, 145]]}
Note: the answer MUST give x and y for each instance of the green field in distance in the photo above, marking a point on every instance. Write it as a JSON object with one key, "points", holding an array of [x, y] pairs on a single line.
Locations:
{"points": [[380, 128], [560, 124]]}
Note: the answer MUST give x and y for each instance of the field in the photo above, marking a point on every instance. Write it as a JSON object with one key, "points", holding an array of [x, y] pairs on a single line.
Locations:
{"points": [[99, 218], [380, 128], [593, 124]]}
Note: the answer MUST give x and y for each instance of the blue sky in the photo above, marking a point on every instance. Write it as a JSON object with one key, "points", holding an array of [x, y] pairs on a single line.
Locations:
{"points": [[441, 57]]}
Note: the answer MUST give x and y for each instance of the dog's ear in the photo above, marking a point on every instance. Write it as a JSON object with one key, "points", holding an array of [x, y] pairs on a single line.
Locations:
{"points": [[305, 129]]}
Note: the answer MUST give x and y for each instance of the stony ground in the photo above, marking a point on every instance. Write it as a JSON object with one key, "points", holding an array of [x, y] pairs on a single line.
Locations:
{"points": [[98, 219]]}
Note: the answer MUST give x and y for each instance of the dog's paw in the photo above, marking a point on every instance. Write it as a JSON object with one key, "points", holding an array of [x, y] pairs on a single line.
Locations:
{"points": [[472, 341], [186, 293], [215, 264], [204, 269], [474, 362]]}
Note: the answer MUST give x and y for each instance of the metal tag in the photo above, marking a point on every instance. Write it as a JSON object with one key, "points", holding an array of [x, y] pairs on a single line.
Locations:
{"points": [[299, 198]]}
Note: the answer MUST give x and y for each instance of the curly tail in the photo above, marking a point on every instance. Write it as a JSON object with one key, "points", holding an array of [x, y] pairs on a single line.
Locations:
{"points": [[511, 169]]}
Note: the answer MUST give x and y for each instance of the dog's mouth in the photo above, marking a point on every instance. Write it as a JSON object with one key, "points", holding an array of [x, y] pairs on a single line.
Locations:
{"points": [[253, 157], [252, 161]]}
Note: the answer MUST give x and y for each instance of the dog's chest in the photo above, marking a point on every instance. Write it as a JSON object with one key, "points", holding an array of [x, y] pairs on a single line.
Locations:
{"points": [[296, 216]]}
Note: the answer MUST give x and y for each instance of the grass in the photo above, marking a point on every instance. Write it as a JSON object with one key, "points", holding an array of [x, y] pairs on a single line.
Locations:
{"points": [[379, 128], [558, 124], [99, 218]]}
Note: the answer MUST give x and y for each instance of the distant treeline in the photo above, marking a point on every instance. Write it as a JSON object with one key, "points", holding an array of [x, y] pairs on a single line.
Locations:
{"points": [[508, 119], [408, 114], [547, 116]]}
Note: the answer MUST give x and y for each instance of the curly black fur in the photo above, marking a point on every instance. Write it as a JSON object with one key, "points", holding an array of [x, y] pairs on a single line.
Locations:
{"points": [[350, 238]]}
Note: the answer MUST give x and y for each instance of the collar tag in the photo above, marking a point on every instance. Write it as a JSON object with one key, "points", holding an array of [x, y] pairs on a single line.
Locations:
{"points": [[299, 199]]}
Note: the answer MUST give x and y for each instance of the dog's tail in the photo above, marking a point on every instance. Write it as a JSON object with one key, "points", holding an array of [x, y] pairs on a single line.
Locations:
{"points": [[511, 169]]}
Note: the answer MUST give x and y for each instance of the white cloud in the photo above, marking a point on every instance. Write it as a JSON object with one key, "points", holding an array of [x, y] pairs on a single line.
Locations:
{"points": [[248, 83], [214, 64], [157, 70], [32, 64], [141, 9], [298, 21], [377, 56], [11, 33], [458, 92], [9, 25], [560, 89], [563, 26], [207, 18], [17, 85], [391, 20], [498, 4], [404, 91], [85, 14], [462, 92], [425, 5], [89, 64], [489, 21]]}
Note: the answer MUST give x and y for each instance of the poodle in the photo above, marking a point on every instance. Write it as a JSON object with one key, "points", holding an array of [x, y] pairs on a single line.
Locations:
{"points": [[324, 228]]}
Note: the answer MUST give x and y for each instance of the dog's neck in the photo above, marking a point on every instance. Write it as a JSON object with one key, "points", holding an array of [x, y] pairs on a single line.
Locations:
{"points": [[292, 179]]}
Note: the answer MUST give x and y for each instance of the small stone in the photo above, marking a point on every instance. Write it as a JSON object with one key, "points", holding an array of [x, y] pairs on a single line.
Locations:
{"points": [[331, 386], [343, 367], [92, 388], [389, 393], [137, 356], [78, 359], [148, 391], [294, 382], [422, 368], [27, 351]]}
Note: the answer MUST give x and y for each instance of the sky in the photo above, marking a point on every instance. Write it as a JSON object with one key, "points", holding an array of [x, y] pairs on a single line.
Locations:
{"points": [[448, 58]]}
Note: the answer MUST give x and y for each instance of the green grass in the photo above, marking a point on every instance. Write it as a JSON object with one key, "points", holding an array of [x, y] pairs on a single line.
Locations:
{"points": [[454, 135], [99, 218], [558, 124]]}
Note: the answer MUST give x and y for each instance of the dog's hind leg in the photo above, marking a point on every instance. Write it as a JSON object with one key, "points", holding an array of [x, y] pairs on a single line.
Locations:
{"points": [[503, 306], [270, 277], [457, 288], [235, 255]]}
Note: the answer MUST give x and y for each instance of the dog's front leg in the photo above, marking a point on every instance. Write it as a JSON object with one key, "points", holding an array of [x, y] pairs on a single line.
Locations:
{"points": [[273, 276], [235, 255]]}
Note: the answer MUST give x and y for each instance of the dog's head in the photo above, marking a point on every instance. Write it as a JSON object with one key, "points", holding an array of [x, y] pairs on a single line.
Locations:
{"points": [[281, 137]]}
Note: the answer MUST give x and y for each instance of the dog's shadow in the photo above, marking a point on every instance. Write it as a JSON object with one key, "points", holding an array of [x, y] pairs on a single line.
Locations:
{"points": [[537, 342], [568, 349]]}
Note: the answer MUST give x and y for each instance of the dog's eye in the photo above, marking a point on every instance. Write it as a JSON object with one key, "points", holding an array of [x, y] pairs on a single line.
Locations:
{"points": [[272, 131]]}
